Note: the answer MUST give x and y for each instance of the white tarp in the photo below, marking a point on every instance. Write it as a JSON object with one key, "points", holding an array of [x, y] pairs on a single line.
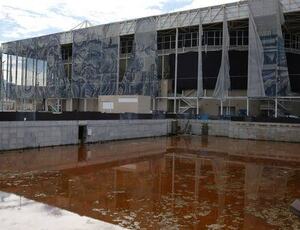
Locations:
{"points": [[265, 35], [200, 72], [255, 61], [223, 81]]}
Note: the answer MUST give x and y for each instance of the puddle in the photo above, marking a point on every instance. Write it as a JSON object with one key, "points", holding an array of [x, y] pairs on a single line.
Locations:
{"points": [[162, 183]]}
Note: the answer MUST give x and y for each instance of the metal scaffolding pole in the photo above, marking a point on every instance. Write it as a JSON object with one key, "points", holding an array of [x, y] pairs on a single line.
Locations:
{"points": [[118, 66], [276, 107], [176, 72]]}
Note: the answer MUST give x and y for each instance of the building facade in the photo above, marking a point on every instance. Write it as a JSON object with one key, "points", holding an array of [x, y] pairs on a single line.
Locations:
{"points": [[234, 59]]}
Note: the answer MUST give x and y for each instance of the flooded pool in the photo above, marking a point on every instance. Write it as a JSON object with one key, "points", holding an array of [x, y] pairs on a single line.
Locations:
{"points": [[185, 182]]}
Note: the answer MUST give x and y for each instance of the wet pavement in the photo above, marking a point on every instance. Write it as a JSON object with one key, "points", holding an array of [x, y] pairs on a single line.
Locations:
{"points": [[185, 182]]}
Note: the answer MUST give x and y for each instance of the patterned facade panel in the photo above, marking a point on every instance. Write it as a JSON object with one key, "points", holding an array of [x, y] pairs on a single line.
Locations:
{"points": [[141, 74], [95, 61], [283, 80], [56, 84]]}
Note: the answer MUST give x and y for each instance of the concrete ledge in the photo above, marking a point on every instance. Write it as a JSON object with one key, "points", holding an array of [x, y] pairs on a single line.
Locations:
{"points": [[247, 130], [126, 129], [33, 134]]}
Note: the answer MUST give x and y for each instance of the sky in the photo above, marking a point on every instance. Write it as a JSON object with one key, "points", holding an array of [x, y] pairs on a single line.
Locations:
{"points": [[21, 19]]}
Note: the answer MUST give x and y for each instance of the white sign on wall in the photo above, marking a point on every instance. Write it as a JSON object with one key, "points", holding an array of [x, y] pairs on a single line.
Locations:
{"points": [[128, 100], [108, 105]]}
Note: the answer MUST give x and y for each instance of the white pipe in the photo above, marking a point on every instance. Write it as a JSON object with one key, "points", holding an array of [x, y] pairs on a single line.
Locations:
{"points": [[176, 71]]}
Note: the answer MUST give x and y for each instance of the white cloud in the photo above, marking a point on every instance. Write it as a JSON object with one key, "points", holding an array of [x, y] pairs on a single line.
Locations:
{"points": [[21, 19]]}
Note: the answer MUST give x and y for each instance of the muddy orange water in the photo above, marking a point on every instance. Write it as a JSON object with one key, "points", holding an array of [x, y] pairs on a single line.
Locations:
{"points": [[164, 183]]}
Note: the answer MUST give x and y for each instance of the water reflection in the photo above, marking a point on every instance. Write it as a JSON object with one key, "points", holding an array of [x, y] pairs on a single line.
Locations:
{"points": [[165, 183]]}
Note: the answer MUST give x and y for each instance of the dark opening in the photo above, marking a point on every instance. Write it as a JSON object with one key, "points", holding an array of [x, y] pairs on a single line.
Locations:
{"points": [[82, 133]]}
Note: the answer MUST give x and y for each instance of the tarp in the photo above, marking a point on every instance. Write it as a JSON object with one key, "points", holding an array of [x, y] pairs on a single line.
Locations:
{"points": [[200, 70], [223, 81], [265, 21]]}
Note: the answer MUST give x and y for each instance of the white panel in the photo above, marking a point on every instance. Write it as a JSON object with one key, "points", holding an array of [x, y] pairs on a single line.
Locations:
{"points": [[128, 100]]}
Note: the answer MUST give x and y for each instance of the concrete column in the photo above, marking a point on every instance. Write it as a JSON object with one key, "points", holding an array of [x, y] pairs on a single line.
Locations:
{"points": [[57, 105], [153, 104], [221, 107], [34, 103], [276, 107], [99, 104], [176, 72], [248, 112], [162, 66], [84, 105], [46, 105], [69, 105]]}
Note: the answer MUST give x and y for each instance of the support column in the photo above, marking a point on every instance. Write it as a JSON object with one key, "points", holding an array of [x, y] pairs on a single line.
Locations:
{"points": [[276, 107], [153, 104], [34, 105], [84, 105], [176, 72], [198, 110], [46, 105], [221, 107], [118, 66], [58, 105], [248, 112], [69, 105]]}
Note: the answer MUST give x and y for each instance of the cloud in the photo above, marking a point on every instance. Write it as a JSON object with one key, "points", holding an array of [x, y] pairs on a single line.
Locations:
{"points": [[28, 18]]}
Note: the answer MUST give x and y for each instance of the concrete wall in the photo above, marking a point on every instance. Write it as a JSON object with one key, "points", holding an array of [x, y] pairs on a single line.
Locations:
{"points": [[245, 130], [31, 134], [126, 129]]}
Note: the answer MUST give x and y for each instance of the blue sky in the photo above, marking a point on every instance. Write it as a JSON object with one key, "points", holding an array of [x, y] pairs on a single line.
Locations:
{"points": [[21, 19]]}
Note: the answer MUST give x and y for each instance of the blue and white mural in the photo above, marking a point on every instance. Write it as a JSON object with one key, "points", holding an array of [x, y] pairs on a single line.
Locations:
{"points": [[95, 61]]}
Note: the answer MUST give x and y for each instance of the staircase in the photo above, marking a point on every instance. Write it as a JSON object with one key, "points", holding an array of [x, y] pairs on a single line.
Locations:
{"points": [[185, 103], [283, 108], [54, 106]]}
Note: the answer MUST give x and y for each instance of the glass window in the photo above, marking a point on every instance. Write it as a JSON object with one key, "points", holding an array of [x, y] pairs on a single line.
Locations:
{"points": [[4, 66], [13, 68], [40, 69], [19, 71], [45, 74], [29, 72]]}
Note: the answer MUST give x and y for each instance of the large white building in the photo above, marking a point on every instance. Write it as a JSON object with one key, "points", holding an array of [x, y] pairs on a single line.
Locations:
{"points": [[245, 63]]}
